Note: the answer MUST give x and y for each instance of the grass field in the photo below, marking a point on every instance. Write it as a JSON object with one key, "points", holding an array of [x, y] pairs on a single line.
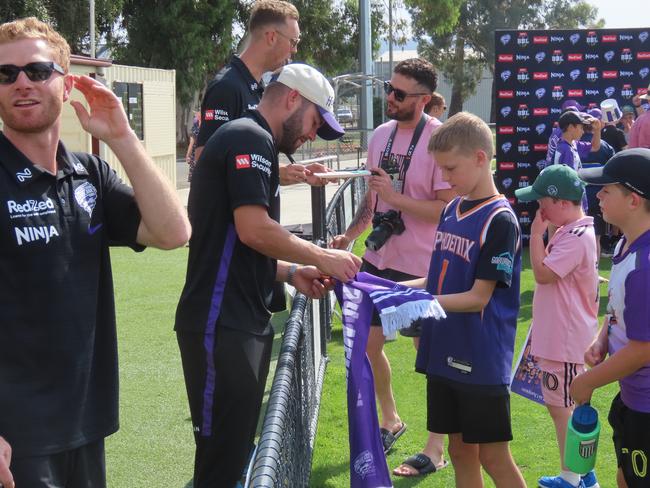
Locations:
{"points": [[154, 447]]}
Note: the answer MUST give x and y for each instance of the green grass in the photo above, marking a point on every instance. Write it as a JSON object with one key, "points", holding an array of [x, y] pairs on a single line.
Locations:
{"points": [[534, 446], [154, 446]]}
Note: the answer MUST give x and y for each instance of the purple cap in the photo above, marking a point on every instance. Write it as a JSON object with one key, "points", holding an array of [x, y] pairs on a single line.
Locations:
{"points": [[572, 103], [596, 113]]}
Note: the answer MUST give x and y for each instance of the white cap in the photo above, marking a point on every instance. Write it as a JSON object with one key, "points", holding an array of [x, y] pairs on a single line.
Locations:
{"points": [[313, 86], [647, 94], [611, 111]]}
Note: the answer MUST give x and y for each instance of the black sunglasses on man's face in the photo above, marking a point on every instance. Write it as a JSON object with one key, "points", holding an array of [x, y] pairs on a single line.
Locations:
{"points": [[39, 71], [400, 95]]}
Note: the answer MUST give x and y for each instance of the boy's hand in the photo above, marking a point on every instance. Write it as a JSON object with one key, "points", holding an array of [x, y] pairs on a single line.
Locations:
{"points": [[596, 353], [580, 389], [540, 224]]}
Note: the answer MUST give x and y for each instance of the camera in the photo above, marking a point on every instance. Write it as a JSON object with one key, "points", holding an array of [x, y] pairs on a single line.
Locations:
{"points": [[384, 225]]}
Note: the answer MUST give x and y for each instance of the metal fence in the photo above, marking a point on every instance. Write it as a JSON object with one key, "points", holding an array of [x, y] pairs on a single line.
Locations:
{"points": [[284, 453], [350, 150]]}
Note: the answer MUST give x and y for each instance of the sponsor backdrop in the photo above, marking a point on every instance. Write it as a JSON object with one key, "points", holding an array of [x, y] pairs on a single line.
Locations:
{"points": [[536, 71]]}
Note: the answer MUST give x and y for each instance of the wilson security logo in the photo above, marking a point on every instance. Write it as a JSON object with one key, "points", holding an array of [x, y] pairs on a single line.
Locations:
{"points": [[254, 161], [242, 161]]}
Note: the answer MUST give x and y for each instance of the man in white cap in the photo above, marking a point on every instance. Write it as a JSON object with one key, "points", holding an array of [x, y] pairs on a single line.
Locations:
{"points": [[238, 251], [640, 132]]}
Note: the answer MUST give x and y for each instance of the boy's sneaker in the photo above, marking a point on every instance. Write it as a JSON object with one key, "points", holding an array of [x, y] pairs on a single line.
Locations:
{"points": [[590, 480], [557, 482]]}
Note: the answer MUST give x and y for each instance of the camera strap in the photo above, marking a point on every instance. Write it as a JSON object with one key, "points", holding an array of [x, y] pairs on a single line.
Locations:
{"points": [[385, 158]]}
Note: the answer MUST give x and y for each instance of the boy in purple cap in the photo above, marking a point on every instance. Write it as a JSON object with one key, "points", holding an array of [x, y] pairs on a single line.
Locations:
{"points": [[556, 133], [625, 335]]}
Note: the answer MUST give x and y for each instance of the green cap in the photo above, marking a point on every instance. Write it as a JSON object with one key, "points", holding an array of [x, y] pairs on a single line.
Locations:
{"points": [[556, 181]]}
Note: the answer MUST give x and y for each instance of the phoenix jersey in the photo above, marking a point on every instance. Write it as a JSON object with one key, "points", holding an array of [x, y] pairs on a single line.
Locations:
{"points": [[473, 347]]}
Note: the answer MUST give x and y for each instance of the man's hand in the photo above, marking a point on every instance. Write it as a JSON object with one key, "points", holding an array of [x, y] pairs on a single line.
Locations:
{"points": [[107, 119], [340, 241], [381, 183], [342, 265], [6, 478], [540, 224], [581, 391], [309, 281], [312, 168]]}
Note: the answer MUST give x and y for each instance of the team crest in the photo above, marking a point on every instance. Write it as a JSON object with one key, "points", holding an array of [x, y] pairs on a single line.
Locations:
{"points": [[364, 464], [86, 196]]}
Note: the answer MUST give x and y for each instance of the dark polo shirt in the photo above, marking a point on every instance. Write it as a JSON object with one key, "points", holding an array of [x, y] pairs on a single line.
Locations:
{"points": [[58, 350]]}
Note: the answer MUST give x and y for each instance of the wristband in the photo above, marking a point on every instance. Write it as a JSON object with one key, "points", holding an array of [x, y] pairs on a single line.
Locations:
{"points": [[292, 271]]}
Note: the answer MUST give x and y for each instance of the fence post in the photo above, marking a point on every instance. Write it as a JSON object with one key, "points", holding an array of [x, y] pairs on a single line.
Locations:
{"points": [[319, 237]]}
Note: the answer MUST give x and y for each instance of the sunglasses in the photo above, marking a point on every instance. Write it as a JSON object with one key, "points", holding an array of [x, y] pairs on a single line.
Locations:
{"points": [[400, 95], [39, 71], [294, 41]]}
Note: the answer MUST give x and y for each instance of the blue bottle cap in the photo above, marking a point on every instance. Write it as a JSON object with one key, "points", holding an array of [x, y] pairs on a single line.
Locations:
{"points": [[584, 419]]}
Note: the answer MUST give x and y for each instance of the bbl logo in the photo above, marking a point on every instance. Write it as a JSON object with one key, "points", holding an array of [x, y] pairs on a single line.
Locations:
{"points": [[592, 74], [626, 55], [522, 75], [540, 56], [540, 128], [524, 181], [574, 38], [522, 111], [557, 57], [505, 39], [524, 217], [523, 147], [609, 55], [609, 91], [592, 38], [506, 146], [522, 39], [627, 92], [505, 75], [643, 73], [505, 111], [557, 93], [574, 74], [540, 92]]}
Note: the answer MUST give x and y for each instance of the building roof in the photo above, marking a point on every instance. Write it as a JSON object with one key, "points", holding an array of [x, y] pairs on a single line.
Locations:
{"points": [[398, 55]]}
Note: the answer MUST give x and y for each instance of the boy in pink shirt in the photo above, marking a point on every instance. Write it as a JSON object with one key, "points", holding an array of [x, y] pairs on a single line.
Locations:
{"points": [[565, 304]]}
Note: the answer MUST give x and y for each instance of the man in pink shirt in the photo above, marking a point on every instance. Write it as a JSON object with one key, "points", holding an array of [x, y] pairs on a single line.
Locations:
{"points": [[565, 303], [640, 132], [407, 195]]}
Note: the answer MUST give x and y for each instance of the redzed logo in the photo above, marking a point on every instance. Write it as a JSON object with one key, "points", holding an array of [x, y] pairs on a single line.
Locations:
{"points": [[506, 58], [506, 94], [540, 111], [609, 38], [506, 166], [575, 93], [643, 55], [574, 57], [610, 74], [209, 115], [506, 129], [540, 147], [243, 161], [540, 75], [642, 91], [540, 40]]}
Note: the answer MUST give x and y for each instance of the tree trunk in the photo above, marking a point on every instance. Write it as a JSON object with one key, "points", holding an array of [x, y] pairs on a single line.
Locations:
{"points": [[456, 104]]}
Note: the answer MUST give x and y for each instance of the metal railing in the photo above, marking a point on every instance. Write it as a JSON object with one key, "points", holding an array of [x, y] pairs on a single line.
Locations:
{"points": [[284, 452]]}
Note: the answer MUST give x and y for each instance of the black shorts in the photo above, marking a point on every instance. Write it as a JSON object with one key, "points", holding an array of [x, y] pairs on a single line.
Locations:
{"points": [[388, 274], [631, 435], [82, 467], [225, 377], [480, 413]]}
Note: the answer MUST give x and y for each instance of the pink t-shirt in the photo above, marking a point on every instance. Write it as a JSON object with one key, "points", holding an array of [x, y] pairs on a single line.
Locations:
{"points": [[411, 251], [640, 132], [565, 313]]}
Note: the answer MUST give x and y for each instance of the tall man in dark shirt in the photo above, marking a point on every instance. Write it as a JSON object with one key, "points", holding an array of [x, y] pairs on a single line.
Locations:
{"points": [[60, 211], [272, 38], [237, 252]]}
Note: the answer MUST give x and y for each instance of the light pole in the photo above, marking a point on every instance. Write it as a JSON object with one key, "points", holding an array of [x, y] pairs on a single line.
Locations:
{"points": [[92, 28]]}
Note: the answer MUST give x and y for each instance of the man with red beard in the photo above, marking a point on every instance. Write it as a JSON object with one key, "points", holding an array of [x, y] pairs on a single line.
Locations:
{"points": [[407, 197], [237, 252]]}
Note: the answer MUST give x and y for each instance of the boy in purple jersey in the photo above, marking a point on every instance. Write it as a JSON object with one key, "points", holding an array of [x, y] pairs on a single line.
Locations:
{"points": [[570, 149], [625, 335], [474, 273]]}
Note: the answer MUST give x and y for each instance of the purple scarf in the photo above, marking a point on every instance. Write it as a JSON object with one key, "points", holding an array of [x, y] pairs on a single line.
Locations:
{"points": [[398, 307]]}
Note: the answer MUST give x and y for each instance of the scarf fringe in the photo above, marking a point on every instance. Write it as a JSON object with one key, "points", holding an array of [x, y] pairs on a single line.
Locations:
{"points": [[402, 316]]}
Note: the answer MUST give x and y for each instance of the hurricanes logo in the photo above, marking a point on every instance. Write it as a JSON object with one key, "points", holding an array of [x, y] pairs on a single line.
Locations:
{"points": [[505, 39], [364, 464], [540, 92], [86, 196], [574, 38], [505, 75], [540, 56], [505, 111]]}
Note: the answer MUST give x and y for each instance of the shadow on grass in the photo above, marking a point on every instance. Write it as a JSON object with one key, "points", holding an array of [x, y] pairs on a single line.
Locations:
{"points": [[330, 471]]}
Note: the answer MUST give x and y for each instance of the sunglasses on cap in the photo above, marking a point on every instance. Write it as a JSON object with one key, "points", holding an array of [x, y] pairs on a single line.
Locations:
{"points": [[39, 71], [400, 95]]}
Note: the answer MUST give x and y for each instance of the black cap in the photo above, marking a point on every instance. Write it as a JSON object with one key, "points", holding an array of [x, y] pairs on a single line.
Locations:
{"points": [[630, 168], [570, 117]]}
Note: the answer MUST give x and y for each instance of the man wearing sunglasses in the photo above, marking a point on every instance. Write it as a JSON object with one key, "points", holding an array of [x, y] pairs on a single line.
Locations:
{"points": [[59, 212], [405, 180], [272, 39]]}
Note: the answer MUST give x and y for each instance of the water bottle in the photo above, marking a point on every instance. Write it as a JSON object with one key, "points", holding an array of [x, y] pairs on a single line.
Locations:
{"points": [[582, 439]]}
